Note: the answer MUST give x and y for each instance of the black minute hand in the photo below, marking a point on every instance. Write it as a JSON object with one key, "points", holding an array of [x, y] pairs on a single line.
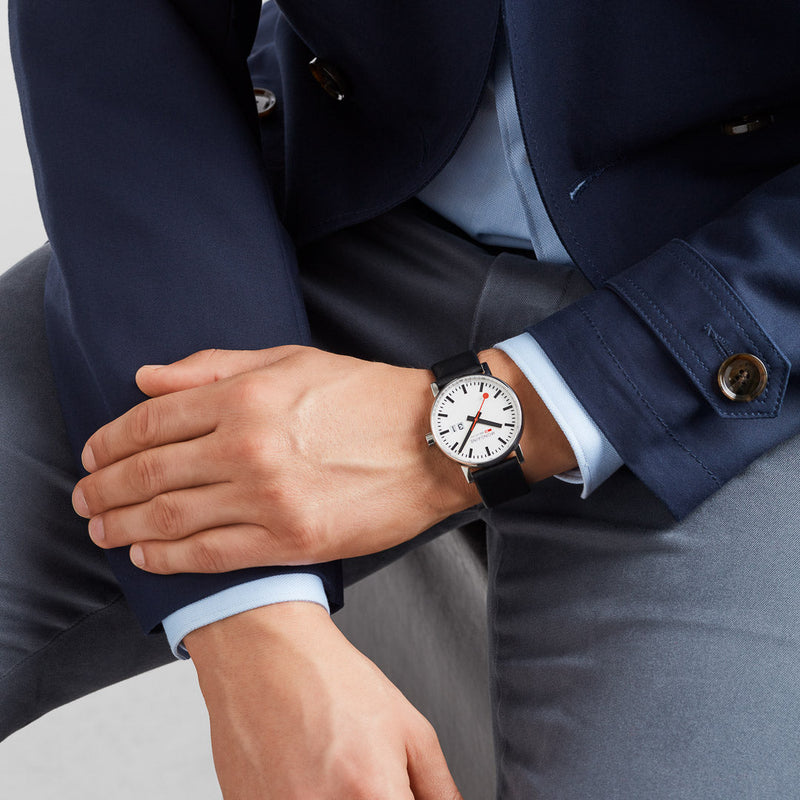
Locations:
{"points": [[484, 421]]}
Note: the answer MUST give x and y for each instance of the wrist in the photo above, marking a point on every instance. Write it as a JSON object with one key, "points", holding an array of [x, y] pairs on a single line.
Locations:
{"points": [[547, 450], [265, 629]]}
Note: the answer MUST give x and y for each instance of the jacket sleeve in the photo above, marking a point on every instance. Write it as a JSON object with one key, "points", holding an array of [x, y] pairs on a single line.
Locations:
{"points": [[643, 352], [141, 124]]}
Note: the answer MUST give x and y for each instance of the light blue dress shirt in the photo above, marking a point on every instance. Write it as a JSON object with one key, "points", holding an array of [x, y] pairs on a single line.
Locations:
{"points": [[501, 206]]}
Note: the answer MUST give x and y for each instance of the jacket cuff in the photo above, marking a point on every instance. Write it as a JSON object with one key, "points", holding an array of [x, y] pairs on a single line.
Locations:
{"points": [[642, 354]]}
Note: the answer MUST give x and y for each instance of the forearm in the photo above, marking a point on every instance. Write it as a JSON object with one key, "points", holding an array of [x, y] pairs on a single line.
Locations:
{"points": [[164, 232], [296, 711]]}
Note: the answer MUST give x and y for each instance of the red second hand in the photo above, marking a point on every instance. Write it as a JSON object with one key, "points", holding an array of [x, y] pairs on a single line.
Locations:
{"points": [[485, 398], [474, 421]]}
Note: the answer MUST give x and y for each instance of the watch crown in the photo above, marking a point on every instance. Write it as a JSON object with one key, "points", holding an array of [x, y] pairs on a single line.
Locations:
{"points": [[429, 439]]}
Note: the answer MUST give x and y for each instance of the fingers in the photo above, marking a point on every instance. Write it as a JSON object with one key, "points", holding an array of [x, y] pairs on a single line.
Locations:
{"points": [[174, 415], [216, 550], [206, 366], [145, 475], [168, 517], [172, 418], [428, 772]]}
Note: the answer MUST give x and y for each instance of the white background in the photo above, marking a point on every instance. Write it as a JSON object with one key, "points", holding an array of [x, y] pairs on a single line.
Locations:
{"points": [[147, 737]]}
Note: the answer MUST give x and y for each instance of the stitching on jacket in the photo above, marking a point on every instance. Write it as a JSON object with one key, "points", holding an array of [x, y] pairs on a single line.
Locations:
{"points": [[720, 342], [714, 401], [663, 336], [705, 283], [649, 407], [778, 367], [682, 361]]}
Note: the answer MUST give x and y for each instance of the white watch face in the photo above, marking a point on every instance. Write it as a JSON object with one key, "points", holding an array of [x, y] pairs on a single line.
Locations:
{"points": [[476, 420]]}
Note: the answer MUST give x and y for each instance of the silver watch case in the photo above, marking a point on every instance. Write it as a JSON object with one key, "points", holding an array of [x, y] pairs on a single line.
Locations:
{"points": [[467, 464]]}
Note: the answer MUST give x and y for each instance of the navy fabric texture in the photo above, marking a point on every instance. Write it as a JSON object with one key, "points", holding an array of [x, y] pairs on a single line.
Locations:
{"points": [[170, 234], [164, 235]]}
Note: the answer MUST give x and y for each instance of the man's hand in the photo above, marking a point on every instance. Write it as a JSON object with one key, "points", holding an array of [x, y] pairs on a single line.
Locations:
{"points": [[284, 456], [297, 712]]}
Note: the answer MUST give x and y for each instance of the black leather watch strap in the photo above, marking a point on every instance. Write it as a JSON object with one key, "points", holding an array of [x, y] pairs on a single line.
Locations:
{"points": [[456, 367], [500, 482]]}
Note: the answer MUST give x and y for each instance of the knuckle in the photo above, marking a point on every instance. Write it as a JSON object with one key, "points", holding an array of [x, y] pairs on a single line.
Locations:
{"points": [[207, 558], [206, 358], [305, 537], [143, 424], [426, 734], [250, 392], [166, 516], [361, 783], [254, 450], [294, 529], [423, 736], [148, 473], [296, 351]]}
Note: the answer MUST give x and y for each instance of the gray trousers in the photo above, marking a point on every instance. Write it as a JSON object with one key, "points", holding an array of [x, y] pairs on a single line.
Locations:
{"points": [[624, 655]]}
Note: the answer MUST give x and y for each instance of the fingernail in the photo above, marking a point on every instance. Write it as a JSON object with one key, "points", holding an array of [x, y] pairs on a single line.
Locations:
{"points": [[96, 530], [137, 555], [152, 366], [88, 459], [79, 503]]}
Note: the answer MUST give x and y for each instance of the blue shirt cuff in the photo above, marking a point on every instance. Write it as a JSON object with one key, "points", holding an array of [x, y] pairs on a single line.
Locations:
{"points": [[597, 459], [293, 586]]}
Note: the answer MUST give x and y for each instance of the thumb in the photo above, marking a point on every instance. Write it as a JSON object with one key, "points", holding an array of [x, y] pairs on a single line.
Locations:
{"points": [[205, 366], [428, 772]]}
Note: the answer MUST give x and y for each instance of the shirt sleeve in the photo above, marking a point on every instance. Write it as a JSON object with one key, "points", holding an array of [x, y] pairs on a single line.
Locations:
{"points": [[295, 586], [596, 457]]}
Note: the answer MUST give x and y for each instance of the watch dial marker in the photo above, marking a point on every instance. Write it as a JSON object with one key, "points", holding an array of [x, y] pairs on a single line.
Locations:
{"points": [[482, 424]]}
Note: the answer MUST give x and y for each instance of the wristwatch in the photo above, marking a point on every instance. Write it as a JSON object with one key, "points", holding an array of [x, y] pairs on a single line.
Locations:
{"points": [[476, 420]]}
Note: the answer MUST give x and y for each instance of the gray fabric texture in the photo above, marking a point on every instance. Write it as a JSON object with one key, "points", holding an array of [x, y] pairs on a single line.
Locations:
{"points": [[626, 655], [64, 628]]}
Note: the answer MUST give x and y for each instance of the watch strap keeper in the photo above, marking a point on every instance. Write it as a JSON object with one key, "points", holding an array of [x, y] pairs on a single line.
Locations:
{"points": [[500, 482]]}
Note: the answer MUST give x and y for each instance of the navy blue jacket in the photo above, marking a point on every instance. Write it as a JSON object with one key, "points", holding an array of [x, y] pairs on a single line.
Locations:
{"points": [[174, 220]]}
